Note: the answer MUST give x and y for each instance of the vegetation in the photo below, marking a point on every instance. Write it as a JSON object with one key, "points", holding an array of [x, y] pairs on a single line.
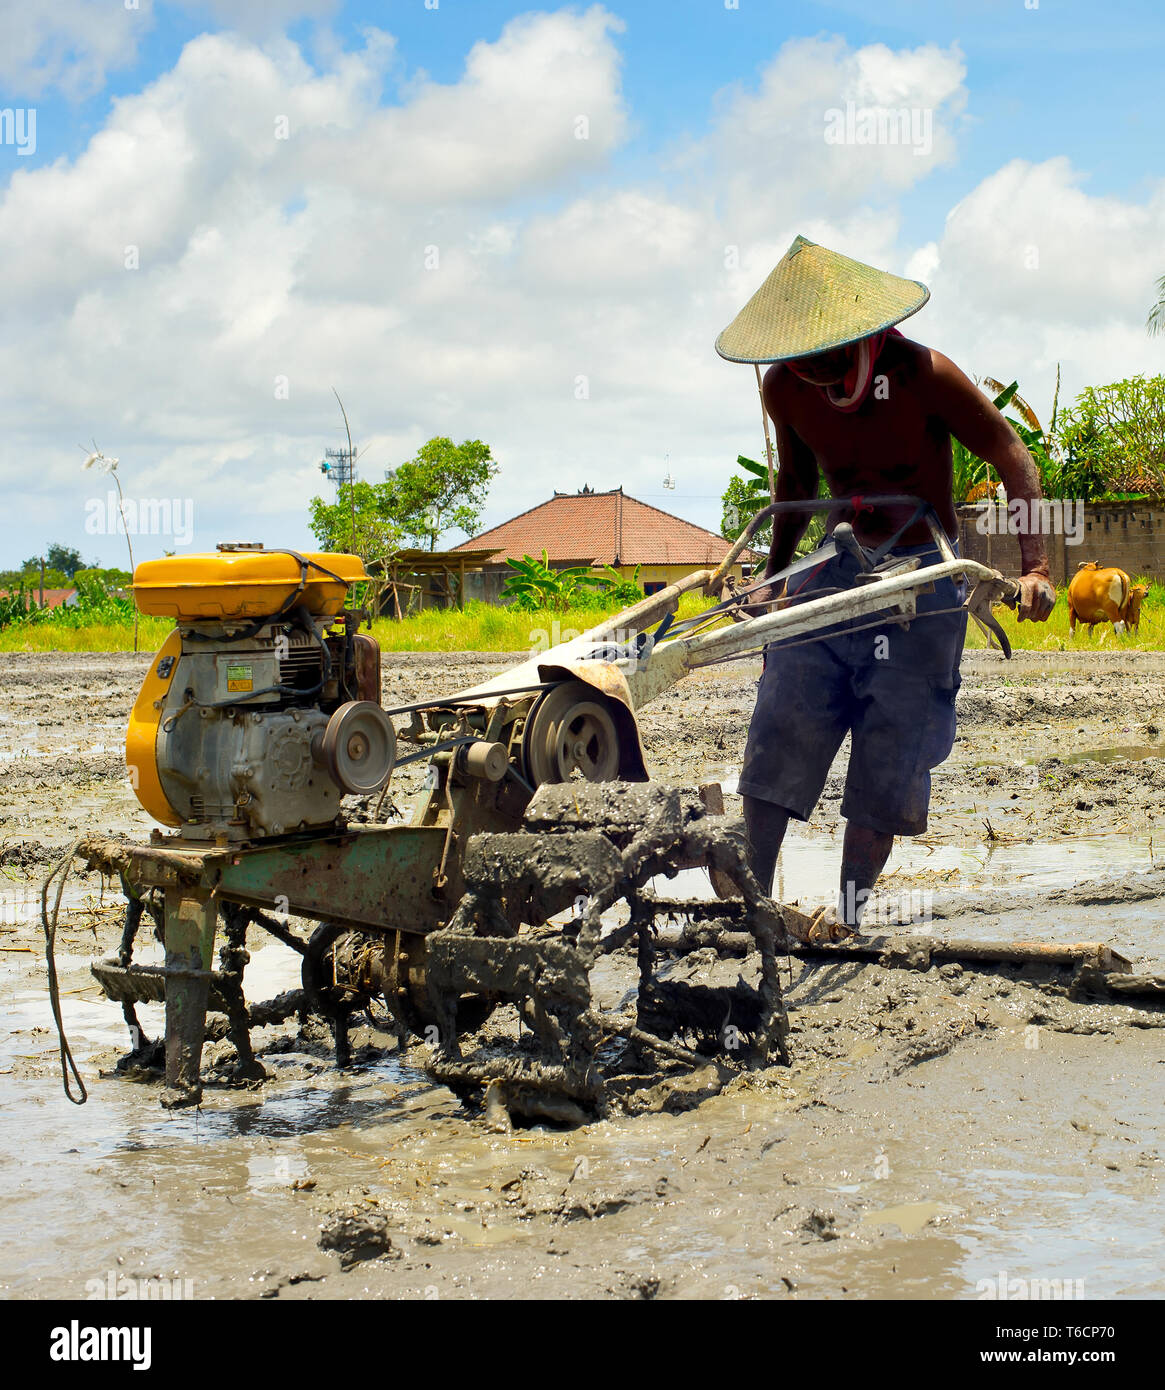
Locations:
{"points": [[1108, 444], [375, 538], [1054, 636], [485, 627], [62, 563], [97, 605], [971, 477], [742, 499], [535, 584], [442, 488], [1117, 433], [93, 636], [1156, 322]]}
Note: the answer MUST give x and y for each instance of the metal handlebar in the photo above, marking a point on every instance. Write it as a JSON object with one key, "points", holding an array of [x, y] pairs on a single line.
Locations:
{"points": [[924, 511]]}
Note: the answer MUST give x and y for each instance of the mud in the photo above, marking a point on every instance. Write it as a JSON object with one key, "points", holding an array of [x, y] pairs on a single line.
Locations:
{"points": [[937, 1127]]}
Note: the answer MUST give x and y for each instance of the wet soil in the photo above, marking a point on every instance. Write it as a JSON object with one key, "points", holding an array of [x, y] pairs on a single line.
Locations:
{"points": [[937, 1127]]}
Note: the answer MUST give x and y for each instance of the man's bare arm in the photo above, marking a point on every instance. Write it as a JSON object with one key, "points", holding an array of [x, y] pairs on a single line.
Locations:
{"points": [[975, 422], [796, 478]]}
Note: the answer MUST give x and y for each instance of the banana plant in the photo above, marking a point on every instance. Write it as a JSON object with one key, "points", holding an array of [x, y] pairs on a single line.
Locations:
{"points": [[534, 584], [742, 500], [973, 479]]}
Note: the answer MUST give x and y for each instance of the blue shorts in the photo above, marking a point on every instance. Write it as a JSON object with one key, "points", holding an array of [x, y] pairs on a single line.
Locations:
{"points": [[891, 687]]}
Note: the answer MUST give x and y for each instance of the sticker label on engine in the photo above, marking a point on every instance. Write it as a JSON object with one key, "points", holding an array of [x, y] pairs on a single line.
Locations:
{"points": [[239, 678]]}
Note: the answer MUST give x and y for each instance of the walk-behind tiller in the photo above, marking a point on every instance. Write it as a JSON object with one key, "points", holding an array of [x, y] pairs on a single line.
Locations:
{"points": [[530, 860]]}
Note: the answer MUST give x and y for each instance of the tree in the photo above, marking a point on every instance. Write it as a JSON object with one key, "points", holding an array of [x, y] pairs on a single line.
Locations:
{"points": [[29, 575], [444, 487], [376, 537], [375, 541], [741, 500], [1116, 434], [1156, 323], [63, 558]]}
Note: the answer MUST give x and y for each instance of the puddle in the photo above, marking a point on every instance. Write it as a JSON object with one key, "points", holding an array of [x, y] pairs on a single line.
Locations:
{"points": [[809, 867], [1128, 752], [910, 1217]]}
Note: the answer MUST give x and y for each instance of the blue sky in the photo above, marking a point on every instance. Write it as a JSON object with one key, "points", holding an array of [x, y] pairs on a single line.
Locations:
{"points": [[1052, 117]]}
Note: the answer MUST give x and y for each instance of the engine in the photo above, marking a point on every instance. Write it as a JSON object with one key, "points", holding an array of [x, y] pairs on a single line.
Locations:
{"points": [[262, 708]]}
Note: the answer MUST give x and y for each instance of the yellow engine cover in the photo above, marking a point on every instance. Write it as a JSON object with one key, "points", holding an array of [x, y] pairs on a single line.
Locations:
{"points": [[240, 584], [142, 735]]}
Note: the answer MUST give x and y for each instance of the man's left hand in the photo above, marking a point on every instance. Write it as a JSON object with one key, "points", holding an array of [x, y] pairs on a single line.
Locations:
{"points": [[1037, 598]]}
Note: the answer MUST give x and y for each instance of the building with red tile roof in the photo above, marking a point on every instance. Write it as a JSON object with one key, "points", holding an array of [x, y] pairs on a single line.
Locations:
{"points": [[605, 528], [53, 598]]}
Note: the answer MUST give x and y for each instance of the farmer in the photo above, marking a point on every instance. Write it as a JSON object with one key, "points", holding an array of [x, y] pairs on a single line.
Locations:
{"points": [[875, 412]]}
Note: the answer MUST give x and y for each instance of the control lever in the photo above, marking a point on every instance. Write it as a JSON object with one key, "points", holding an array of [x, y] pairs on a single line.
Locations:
{"points": [[979, 603], [843, 537]]}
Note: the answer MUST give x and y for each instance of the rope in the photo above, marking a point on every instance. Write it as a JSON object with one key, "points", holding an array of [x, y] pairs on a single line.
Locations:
{"points": [[50, 933]]}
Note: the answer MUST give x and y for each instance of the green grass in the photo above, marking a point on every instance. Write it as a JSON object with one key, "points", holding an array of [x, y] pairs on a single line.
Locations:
{"points": [[1053, 636], [483, 627], [93, 637], [486, 628]]}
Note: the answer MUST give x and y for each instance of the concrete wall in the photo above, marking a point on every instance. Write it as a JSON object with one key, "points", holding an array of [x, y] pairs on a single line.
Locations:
{"points": [[1129, 535]]}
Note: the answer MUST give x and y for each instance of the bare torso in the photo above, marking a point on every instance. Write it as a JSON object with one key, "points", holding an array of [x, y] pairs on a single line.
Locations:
{"points": [[897, 441]]}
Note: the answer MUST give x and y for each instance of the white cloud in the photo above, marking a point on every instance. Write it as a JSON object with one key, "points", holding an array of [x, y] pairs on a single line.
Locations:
{"points": [[454, 261], [1032, 270], [769, 153], [68, 44]]}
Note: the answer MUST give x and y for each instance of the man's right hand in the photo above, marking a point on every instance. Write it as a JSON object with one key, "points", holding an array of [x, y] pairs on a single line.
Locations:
{"points": [[1036, 598]]}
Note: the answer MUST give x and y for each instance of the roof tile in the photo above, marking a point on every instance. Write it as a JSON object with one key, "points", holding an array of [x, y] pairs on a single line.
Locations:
{"points": [[602, 528]]}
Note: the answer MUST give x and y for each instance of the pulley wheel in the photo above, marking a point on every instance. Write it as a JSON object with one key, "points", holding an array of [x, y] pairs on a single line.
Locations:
{"points": [[359, 747], [571, 734]]}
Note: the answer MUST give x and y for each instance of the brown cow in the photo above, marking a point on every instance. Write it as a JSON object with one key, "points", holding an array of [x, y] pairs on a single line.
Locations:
{"points": [[1106, 595]]}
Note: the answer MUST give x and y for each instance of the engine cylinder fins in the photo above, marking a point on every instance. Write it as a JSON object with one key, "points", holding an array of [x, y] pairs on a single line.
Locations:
{"points": [[358, 748], [571, 735]]}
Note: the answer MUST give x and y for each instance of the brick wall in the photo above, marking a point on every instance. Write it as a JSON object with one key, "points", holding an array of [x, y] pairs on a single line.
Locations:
{"points": [[1129, 535]]}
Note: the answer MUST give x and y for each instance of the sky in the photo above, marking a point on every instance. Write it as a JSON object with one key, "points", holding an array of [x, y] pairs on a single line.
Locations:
{"points": [[525, 226]]}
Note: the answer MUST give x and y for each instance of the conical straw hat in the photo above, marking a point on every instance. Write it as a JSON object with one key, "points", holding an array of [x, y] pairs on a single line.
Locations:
{"points": [[816, 300]]}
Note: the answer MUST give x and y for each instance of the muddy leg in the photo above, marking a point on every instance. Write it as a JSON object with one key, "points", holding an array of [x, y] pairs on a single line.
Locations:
{"points": [[234, 959], [766, 824], [863, 857], [190, 923]]}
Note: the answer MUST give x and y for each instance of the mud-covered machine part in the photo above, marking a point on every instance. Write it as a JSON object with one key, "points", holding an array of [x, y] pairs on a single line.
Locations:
{"points": [[542, 907]]}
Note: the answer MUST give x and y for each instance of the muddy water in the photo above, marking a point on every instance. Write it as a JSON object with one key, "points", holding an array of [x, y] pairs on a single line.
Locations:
{"points": [[936, 1130], [921, 1185]]}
